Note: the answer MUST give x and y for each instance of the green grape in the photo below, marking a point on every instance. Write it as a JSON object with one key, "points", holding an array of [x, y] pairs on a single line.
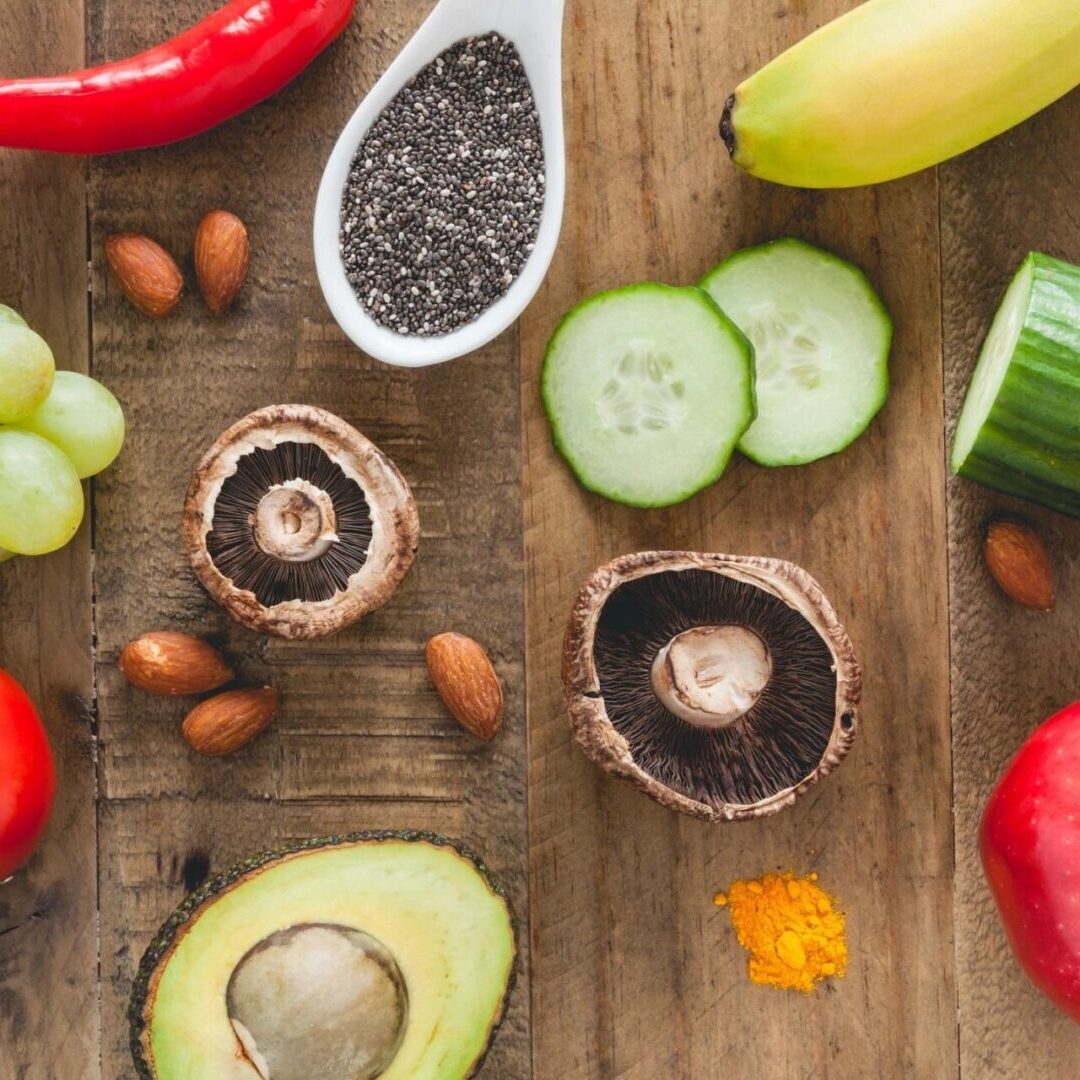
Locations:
{"points": [[41, 498], [10, 315], [26, 371], [5, 555], [83, 419]]}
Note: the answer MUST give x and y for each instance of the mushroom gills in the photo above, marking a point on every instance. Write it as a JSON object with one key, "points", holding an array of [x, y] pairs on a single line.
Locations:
{"points": [[723, 692], [288, 524], [318, 1000]]}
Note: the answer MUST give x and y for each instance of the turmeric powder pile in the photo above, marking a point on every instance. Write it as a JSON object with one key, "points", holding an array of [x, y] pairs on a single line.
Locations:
{"points": [[790, 928]]}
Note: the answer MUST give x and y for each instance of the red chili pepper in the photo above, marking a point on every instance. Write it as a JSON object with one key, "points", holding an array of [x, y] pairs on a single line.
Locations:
{"points": [[229, 62], [27, 777]]}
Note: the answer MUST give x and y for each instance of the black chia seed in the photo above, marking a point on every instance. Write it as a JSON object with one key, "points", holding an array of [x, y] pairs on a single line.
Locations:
{"points": [[445, 194]]}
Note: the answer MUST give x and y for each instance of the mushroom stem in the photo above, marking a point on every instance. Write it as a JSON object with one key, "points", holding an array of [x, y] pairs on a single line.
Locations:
{"points": [[710, 676], [295, 522]]}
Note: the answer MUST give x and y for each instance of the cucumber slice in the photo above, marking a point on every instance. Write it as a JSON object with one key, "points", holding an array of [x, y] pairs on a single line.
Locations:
{"points": [[1019, 430], [648, 389], [821, 341]]}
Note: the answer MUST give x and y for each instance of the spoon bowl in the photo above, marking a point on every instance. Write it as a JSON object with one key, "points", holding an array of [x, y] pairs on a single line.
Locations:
{"points": [[535, 29]]}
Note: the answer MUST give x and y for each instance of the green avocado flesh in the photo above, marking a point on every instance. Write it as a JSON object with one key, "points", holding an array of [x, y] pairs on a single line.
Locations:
{"points": [[377, 955]]}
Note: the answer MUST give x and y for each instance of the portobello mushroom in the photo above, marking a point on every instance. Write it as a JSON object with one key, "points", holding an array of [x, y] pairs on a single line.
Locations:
{"points": [[297, 524], [722, 686]]}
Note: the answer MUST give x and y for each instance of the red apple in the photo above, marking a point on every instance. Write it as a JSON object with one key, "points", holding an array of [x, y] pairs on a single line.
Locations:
{"points": [[27, 779], [1030, 845]]}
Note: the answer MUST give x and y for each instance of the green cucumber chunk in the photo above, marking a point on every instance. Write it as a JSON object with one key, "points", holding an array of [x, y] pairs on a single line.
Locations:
{"points": [[1019, 430], [821, 339], [648, 390]]}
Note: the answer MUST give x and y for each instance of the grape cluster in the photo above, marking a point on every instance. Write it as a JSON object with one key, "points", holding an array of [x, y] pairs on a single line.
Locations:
{"points": [[56, 429]]}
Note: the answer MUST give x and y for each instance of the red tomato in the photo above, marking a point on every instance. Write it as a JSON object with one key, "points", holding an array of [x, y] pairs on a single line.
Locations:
{"points": [[27, 777], [1030, 844]]}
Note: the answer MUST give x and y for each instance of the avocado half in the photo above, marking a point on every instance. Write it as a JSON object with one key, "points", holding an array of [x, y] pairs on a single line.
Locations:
{"points": [[376, 954]]}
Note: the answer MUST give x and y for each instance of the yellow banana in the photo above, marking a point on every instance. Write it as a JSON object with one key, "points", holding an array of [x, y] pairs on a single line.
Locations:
{"points": [[895, 86]]}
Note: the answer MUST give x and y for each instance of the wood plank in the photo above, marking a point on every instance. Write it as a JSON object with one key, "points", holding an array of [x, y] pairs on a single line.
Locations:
{"points": [[636, 974], [362, 741], [1011, 669], [631, 959], [48, 930]]}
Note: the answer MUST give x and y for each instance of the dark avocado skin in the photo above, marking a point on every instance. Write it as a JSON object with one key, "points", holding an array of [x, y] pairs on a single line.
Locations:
{"points": [[165, 937]]}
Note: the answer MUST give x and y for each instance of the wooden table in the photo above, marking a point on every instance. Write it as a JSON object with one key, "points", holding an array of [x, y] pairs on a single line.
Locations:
{"points": [[632, 973]]}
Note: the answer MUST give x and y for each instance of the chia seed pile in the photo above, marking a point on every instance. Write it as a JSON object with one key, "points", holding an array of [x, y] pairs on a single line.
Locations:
{"points": [[444, 197]]}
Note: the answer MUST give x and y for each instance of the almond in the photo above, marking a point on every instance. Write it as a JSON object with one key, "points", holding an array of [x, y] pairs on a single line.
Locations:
{"points": [[147, 273], [221, 258], [228, 721], [1020, 565], [168, 663], [467, 683]]}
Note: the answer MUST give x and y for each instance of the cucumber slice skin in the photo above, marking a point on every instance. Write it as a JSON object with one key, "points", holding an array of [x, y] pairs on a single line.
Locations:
{"points": [[878, 312], [745, 390], [1028, 444]]}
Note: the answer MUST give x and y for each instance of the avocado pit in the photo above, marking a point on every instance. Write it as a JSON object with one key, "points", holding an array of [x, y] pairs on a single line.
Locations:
{"points": [[318, 1000]]}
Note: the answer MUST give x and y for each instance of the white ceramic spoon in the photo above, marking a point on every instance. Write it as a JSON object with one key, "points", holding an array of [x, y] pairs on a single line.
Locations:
{"points": [[535, 28]]}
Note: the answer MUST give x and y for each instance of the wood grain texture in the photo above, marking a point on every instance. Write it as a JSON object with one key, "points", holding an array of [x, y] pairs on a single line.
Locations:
{"points": [[362, 740], [636, 973], [48, 930], [1010, 669]]}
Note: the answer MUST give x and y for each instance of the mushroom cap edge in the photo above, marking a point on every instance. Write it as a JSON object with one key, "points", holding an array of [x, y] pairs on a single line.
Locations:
{"points": [[586, 709], [395, 522]]}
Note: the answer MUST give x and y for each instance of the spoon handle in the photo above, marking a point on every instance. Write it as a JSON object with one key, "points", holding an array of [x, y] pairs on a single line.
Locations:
{"points": [[545, 16], [511, 18]]}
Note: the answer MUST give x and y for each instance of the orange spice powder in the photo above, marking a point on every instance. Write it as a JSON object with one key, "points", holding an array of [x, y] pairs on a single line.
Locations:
{"points": [[791, 929]]}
